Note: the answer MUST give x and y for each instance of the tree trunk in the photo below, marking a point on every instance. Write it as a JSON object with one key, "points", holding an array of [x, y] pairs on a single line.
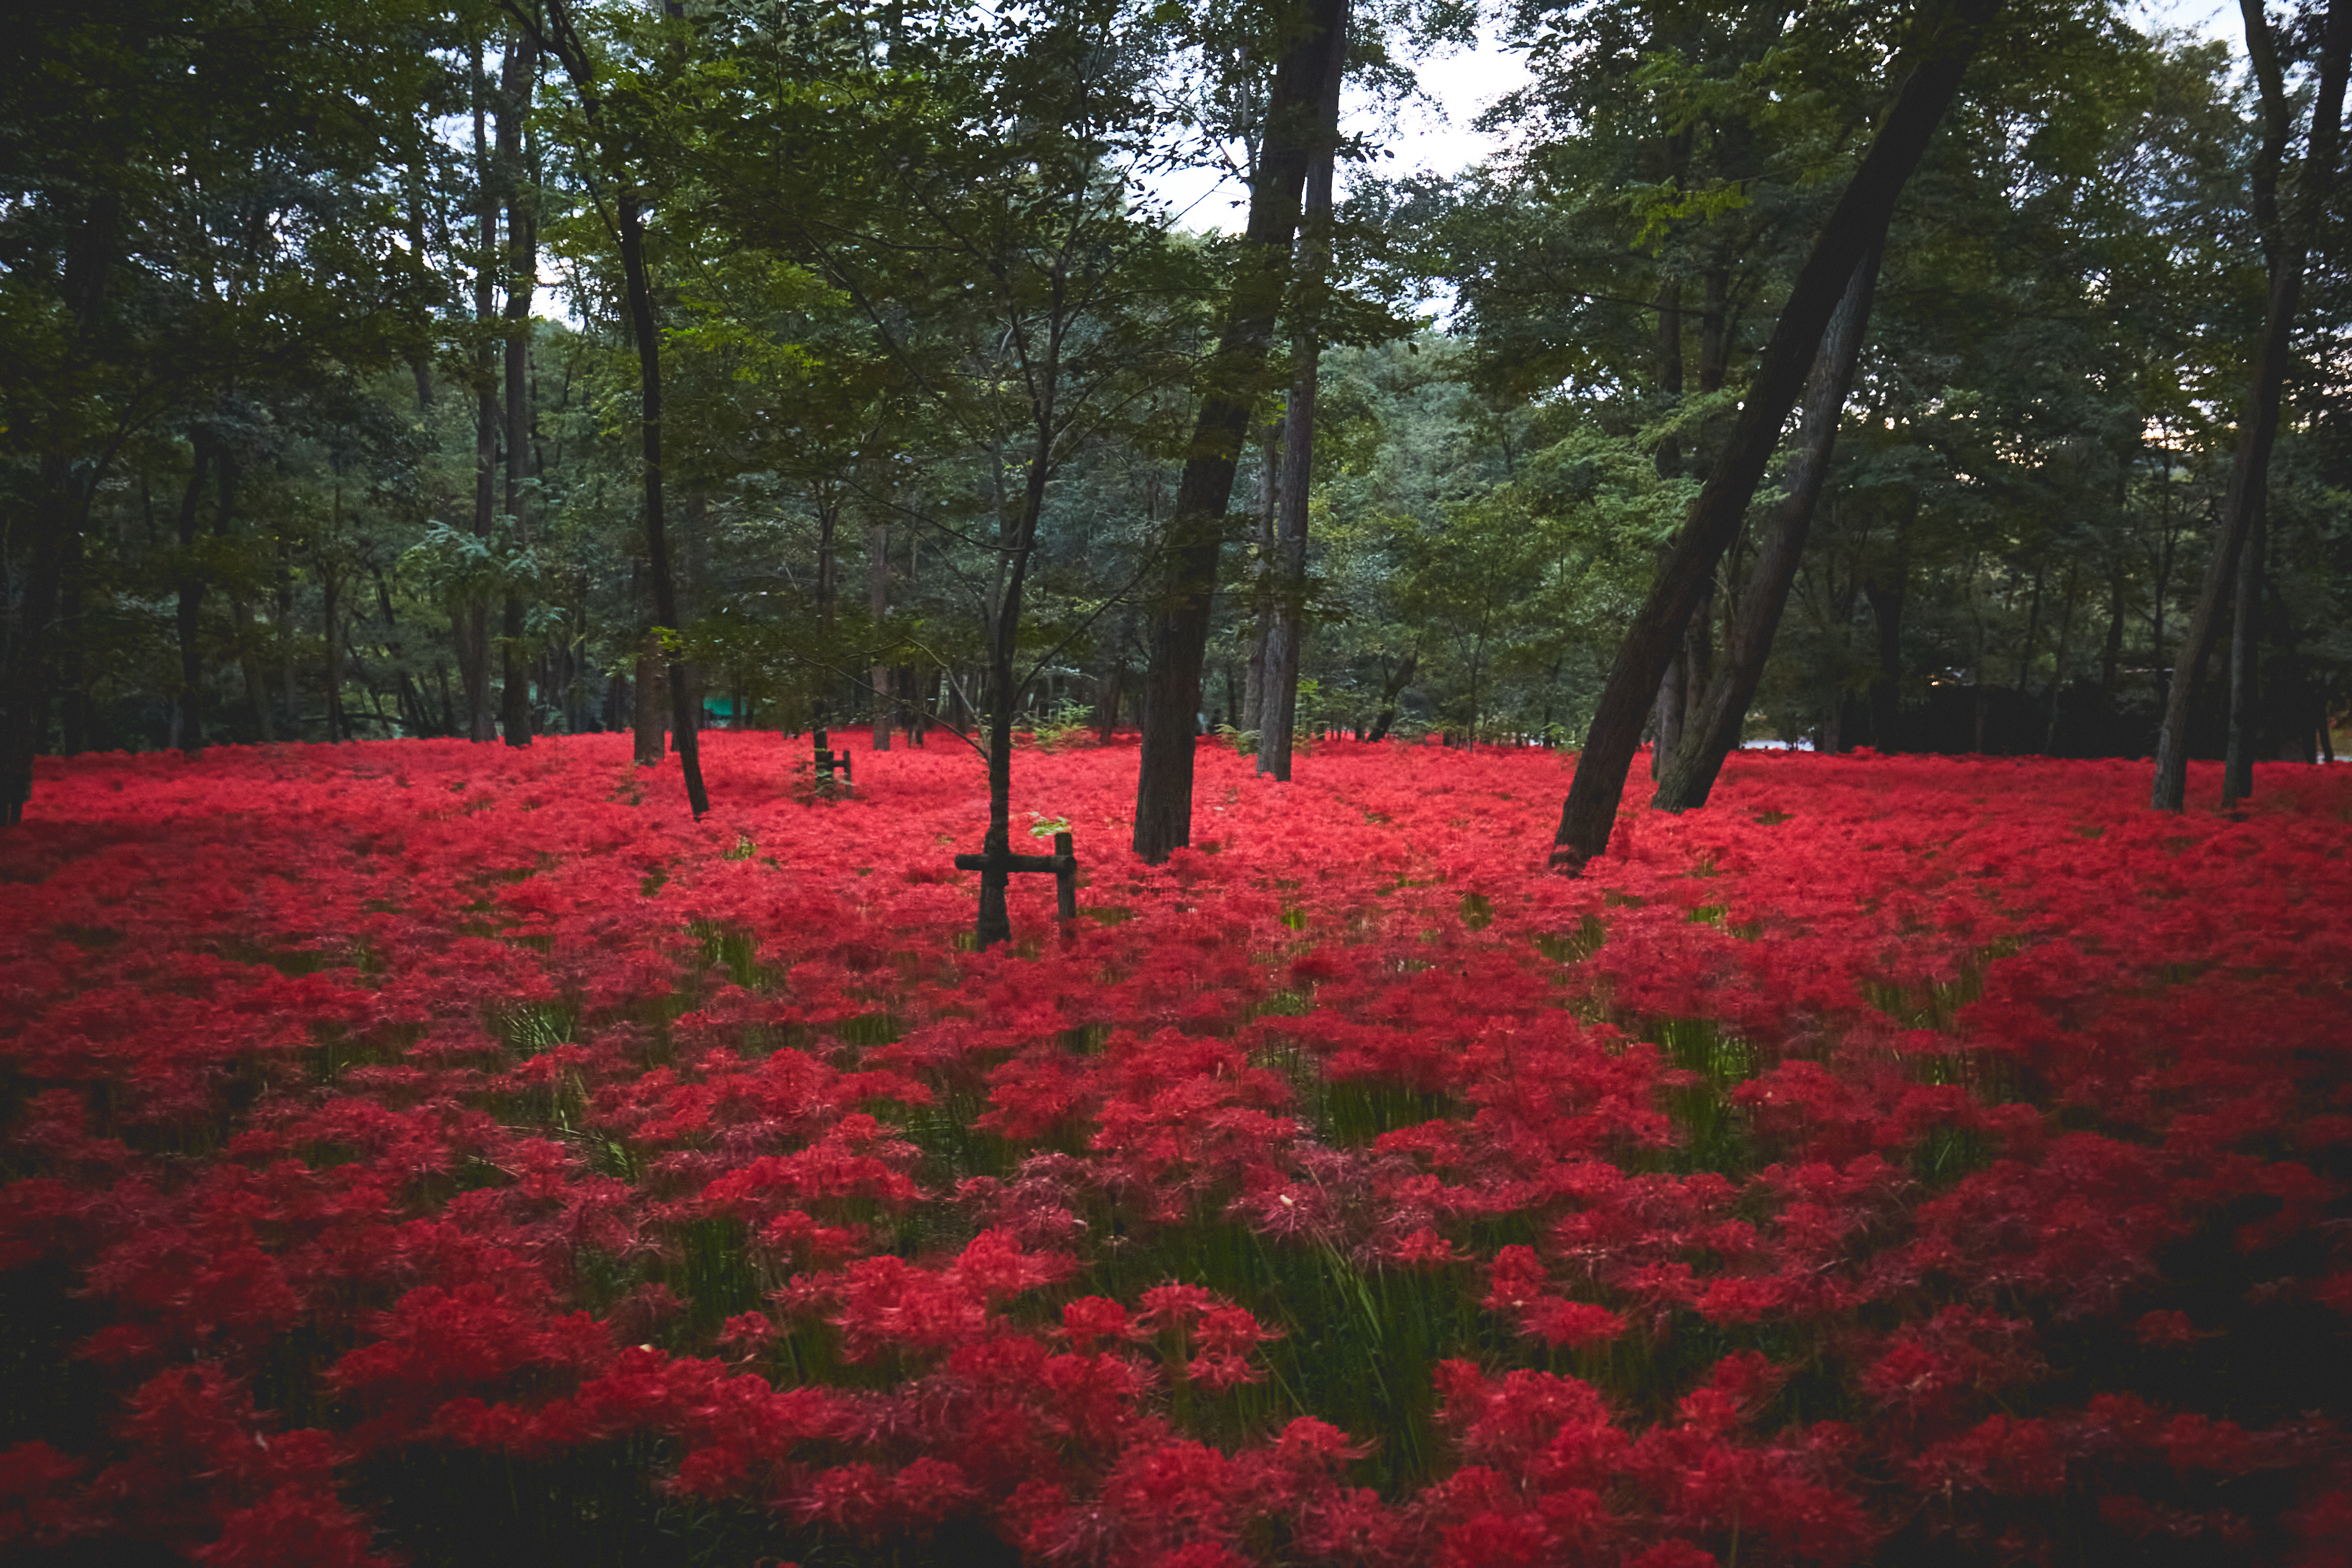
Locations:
{"points": [[1950, 35], [2258, 424], [563, 38], [1393, 687], [641, 321], [1722, 710], [878, 605], [1179, 632], [2058, 661], [1885, 595], [188, 721], [645, 714], [519, 77], [474, 628], [2245, 654], [1277, 722], [338, 724], [1263, 567]]}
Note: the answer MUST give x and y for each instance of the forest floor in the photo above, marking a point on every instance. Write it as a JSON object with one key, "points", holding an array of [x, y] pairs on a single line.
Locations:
{"points": [[424, 1151]]}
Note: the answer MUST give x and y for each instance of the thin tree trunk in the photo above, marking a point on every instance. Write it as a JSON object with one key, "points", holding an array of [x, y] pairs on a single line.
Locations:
{"points": [[474, 628], [188, 722], [1263, 569], [73, 693], [564, 39], [878, 606], [519, 77], [339, 727], [1180, 633], [1393, 687], [1857, 223], [1277, 719], [2245, 654], [641, 318], [647, 713], [2058, 661], [1886, 595], [1722, 710], [2258, 424]]}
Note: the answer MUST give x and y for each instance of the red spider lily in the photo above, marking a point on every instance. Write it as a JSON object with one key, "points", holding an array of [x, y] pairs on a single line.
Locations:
{"points": [[473, 1082]]}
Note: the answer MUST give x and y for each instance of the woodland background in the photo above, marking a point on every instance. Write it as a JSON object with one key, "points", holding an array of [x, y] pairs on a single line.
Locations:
{"points": [[325, 416]]}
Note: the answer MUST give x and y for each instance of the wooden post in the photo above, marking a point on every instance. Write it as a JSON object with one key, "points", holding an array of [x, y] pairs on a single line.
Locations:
{"points": [[1062, 862], [826, 764]]}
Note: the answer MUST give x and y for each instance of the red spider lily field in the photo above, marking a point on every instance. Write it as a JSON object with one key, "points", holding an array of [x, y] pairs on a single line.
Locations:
{"points": [[421, 1151]]}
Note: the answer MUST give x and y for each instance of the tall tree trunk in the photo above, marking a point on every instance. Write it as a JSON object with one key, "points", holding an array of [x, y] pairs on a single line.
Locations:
{"points": [[1277, 718], [30, 572], [2245, 654], [641, 320], [1948, 40], [645, 714], [474, 616], [878, 605], [517, 80], [338, 724], [1887, 593], [2111, 654], [73, 690], [33, 548], [1722, 710], [2258, 423], [1263, 552], [188, 721], [2058, 660], [1016, 538], [1180, 631], [564, 39], [1667, 711]]}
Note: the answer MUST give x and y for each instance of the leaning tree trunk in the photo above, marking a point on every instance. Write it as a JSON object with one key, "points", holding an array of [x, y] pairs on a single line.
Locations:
{"points": [[2258, 424], [1856, 225], [1722, 710], [1277, 718], [1180, 631]]}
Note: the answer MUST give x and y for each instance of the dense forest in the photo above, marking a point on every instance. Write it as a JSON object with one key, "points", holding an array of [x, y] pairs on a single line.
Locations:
{"points": [[380, 367]]}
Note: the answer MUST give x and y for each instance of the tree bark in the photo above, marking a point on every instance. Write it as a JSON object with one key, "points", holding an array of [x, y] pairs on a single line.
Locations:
{"points": [[1722, 710], [564, 39], [1950, 36], [2246, 683], [188, 721], [646, 711], [1179, 632], [2258, 424], [1277, 718], [474, 615], [878, 605], [520, 76]]}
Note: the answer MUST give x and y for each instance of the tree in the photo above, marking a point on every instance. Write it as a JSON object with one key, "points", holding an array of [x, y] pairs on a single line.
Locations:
{"points": [[1948, 40], [2258, 424], [196, 208], [551, 23], [1179, 635], [1720, 715]]}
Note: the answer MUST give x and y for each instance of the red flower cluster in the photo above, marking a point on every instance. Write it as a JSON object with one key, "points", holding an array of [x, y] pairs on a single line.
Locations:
{"points": [[1901, 1158]]}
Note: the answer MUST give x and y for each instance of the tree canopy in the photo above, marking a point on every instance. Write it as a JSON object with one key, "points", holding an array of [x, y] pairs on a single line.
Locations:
{"points": [[440, 367]]}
